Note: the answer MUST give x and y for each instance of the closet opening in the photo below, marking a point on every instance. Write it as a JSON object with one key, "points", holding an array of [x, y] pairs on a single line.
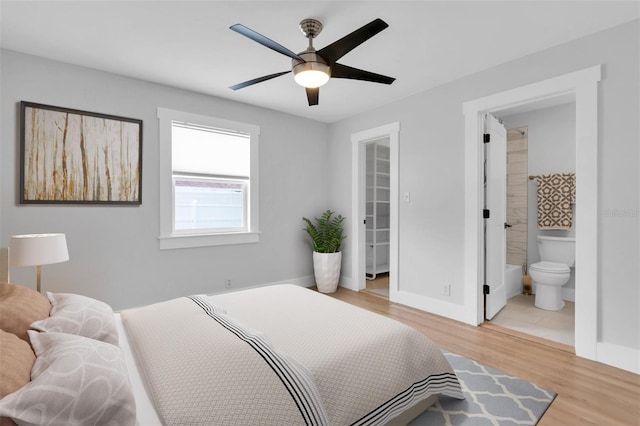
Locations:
{"points": [[374, 211], [377, 219]]}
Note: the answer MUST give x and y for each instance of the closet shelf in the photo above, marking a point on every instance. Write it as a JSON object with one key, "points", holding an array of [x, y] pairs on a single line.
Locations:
{"points": [[377, 201]]}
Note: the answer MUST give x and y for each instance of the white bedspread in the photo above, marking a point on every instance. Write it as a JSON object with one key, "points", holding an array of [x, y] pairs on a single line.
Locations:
{"points": [[366, 368], [145, 411]]}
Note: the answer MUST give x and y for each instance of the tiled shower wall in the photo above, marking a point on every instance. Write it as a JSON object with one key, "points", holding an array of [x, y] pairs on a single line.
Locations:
{"points": [[517, 176]]}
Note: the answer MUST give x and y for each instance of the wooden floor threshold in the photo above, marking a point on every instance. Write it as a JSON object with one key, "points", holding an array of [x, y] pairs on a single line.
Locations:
{"points": [[529, 337], [373, 293]]}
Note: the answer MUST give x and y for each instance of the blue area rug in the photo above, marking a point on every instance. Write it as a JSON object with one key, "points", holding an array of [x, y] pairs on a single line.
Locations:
{"points": [[491, 398]]}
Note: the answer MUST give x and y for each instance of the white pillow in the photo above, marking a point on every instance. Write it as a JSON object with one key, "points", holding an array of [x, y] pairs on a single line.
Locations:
{"points": [[81, 315], [74, 381]]}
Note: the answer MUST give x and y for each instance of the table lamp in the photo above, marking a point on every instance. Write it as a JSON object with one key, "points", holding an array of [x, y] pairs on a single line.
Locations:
{"points": [[37, 250]]}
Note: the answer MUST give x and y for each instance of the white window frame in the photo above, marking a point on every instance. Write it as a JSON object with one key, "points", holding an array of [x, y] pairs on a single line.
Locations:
{"points": [[175, 240]]}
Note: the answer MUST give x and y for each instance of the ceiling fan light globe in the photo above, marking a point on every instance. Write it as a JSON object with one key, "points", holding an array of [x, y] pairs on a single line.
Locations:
{"points": [[311, 78], [311, 74]]}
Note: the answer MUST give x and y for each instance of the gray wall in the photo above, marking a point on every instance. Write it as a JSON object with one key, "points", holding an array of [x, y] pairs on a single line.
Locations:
{"points": [[114, 251], [552, 149], [432, 167]]}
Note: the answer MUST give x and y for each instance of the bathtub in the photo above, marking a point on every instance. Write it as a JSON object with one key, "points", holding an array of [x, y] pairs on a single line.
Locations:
{"points": [[513, 280]]}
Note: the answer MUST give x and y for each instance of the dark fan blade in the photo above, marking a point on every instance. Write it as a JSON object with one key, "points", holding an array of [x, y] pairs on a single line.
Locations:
{"points": [[343, 71], [248, 32], [338, 49], [257, 80], [312, 95]]}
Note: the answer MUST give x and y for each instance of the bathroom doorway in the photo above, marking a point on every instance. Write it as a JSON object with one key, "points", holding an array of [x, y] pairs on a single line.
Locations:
{"points": [[551, 149], [582, 87]]}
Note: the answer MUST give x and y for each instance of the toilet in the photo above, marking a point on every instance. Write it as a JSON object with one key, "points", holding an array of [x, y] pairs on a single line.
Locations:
{"points": [[557, 255]]}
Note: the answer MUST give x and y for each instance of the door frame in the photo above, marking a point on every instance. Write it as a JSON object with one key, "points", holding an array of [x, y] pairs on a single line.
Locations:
{"points": [[583, 85], [359, 141]]}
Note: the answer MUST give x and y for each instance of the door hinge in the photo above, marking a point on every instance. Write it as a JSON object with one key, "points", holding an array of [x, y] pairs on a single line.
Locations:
{"points": [[486, 138], [485, 214], [486, 289]]}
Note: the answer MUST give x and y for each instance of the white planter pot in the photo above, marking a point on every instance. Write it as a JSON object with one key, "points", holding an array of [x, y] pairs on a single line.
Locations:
{"points": [[326, 268]]}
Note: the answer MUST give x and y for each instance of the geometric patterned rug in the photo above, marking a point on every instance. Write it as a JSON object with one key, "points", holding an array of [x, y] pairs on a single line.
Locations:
{"points": [[491, 398]]}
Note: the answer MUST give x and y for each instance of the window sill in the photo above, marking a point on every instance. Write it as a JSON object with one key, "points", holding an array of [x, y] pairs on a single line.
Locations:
{"points": [[170, 242]]}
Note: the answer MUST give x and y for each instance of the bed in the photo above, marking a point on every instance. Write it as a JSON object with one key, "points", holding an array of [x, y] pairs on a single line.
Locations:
{"points": [[275, 355]]}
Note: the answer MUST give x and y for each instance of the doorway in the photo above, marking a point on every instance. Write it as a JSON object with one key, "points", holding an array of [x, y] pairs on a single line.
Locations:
{"points": [[581, 86], [377, 205], [383, 234], [539, 142]]}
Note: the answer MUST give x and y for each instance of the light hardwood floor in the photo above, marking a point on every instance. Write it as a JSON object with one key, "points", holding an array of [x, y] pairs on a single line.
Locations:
{"points": [[589, 393]]}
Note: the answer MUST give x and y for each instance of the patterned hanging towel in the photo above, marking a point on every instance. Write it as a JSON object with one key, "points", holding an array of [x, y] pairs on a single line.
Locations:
{"points": [[556, 195]]}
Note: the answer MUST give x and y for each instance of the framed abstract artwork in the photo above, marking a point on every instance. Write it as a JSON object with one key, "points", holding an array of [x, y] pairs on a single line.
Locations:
{"points": [[78, 157]]}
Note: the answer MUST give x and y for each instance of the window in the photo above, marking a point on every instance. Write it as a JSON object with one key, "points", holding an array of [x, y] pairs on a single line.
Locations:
{"points": [[211, 174], [208, 187]]}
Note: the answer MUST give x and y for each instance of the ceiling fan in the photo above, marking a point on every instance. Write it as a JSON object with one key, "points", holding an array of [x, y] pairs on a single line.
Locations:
{"points": [[311, 68]]}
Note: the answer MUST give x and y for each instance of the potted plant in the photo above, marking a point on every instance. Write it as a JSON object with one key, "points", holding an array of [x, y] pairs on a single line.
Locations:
{"points": [[326, 236]]}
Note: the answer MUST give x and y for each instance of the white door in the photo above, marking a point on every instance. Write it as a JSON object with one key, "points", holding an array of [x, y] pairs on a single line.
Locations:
{"points": [[496, 203]]}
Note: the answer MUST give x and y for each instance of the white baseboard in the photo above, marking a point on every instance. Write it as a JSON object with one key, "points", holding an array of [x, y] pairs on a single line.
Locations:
{"points": [[618, 356], [348, 283], [435, 306], [424, 303], [307, 281]]}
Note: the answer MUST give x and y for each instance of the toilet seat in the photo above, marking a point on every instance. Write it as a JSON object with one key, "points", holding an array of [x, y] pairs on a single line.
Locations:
{"points": [[550, 267]]}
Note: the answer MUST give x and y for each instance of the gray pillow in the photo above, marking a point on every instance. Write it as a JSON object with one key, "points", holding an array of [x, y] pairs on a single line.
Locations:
{"points": [[74, 381], [81, 315]]}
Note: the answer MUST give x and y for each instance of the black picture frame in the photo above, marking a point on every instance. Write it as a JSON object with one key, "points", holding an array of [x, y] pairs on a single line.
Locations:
{"points": [[68, 156]]}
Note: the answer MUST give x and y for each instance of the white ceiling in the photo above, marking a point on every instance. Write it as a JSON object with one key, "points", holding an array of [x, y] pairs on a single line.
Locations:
{"points": [[188, 44]]}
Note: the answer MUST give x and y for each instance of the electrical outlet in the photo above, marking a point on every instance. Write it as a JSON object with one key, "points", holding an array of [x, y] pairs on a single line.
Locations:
{"points": [[446, 290], [227, 282]]}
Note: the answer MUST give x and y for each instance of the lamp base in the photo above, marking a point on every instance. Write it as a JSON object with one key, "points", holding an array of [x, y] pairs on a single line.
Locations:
{"points": [[38, 278]]}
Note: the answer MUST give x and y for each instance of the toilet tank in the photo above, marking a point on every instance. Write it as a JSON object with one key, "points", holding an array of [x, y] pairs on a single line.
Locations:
{"points": [[557, 249]]}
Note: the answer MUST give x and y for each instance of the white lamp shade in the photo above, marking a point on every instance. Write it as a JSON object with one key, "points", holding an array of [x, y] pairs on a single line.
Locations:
{"points": [[38, 249]]}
